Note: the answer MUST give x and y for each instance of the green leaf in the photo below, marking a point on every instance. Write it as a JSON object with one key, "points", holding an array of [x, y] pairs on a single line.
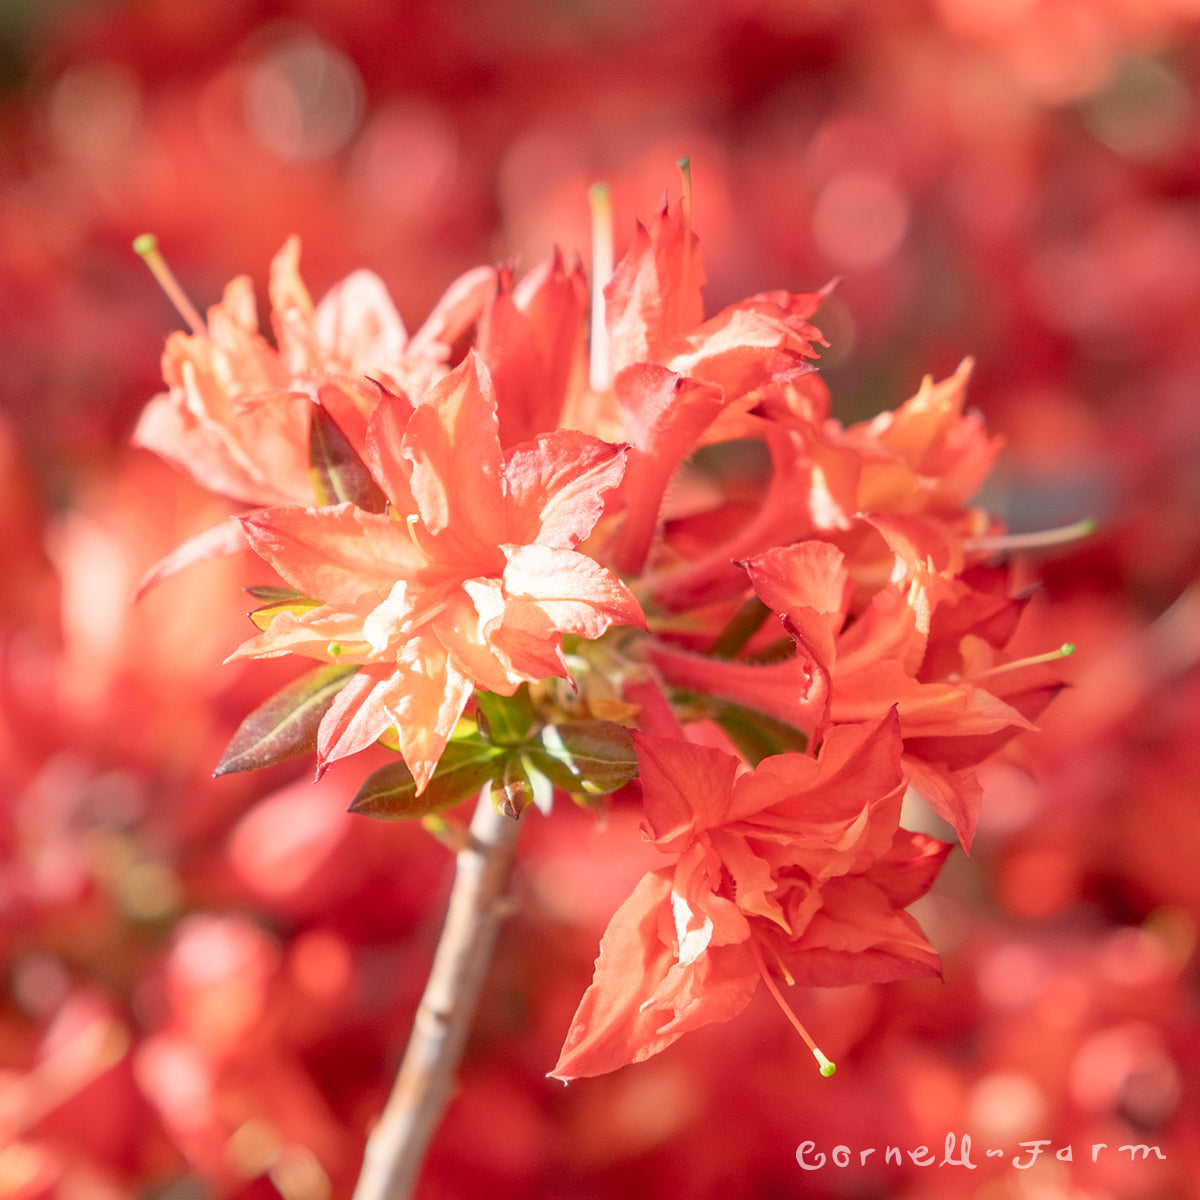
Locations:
{"points": [[758, 736], [337, 472], [300, 603], [505, 720], [390, 794], [744, 624], [286, 725], [589, 757]]}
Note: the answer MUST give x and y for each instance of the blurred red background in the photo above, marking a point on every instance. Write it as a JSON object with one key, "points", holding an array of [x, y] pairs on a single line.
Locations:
{"points": [[205, 985]]}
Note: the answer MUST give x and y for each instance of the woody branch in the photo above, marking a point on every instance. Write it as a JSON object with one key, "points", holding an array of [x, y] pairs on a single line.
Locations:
{"points": [[397, 1144]]}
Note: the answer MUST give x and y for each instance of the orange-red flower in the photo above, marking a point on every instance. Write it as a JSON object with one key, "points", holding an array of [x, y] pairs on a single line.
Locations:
{"points": [[236, 412], [468, 580], [799, 862], [923, 462], [929, 647]]}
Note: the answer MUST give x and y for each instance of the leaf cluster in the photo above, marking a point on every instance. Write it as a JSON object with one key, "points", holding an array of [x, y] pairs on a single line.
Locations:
{"points": [[508, 749]]}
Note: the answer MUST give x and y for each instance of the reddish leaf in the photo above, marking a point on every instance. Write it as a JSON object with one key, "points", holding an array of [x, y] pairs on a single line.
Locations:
{"points": [[590, 757], [390, 794], [338, 474], [286, 725]]}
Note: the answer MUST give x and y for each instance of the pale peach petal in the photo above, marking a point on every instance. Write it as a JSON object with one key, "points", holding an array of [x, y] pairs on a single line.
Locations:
{"points": [[339, 554], [452, 441], [357, 326], [555, 487]]}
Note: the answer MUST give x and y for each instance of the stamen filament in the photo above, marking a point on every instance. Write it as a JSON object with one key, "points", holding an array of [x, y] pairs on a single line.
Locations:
{"points": [[416, 529], [145, 245], [827, 1067], [599, 365], [1064, 651], [1010, 542], [783, 970]]}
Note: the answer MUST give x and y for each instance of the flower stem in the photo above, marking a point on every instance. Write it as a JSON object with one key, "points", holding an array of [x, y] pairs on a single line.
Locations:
{"points": [[397, 1144]]}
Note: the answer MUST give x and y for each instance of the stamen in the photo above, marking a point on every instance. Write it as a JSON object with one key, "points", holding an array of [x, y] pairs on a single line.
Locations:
{"points": [[827, 1067], [1064, 651], [412, 523], [334, 649], [599, 365], [685, 270], [145, 245], [423, 615], [685, 169], [1007, 543]]}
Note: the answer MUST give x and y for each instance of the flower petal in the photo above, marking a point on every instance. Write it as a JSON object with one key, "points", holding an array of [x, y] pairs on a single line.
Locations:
{"points": [[617, 1022], [555, 486], [566, 592], [453, 442], [338, 554], [665, 415], [685, 787], [357, 326]]}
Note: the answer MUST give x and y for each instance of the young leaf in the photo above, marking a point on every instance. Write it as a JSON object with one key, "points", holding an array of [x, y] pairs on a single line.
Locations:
{"points": [[512, 790], [592, 757], [286, 725], [390, 794], [337, 472], [505, 720]]}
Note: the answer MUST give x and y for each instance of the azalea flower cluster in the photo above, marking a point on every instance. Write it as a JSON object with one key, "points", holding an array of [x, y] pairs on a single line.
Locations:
{"points": [[532, 561]]}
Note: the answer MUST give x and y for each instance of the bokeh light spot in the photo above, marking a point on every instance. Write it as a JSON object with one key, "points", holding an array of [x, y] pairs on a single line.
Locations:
{"points": [[1037, 882], [321, 963], [1126, 1066], [1012, 976], [299, 1176], [860, 218], [1005, 1106], [94, 112], [303, 99], [1143, 112]]}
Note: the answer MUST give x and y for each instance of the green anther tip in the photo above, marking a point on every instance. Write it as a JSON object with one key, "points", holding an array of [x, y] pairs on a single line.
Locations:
{"points": [[334, 648], [599, 193], [145, 244], [827, 1067], [684, 163], [1067, 649]]}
